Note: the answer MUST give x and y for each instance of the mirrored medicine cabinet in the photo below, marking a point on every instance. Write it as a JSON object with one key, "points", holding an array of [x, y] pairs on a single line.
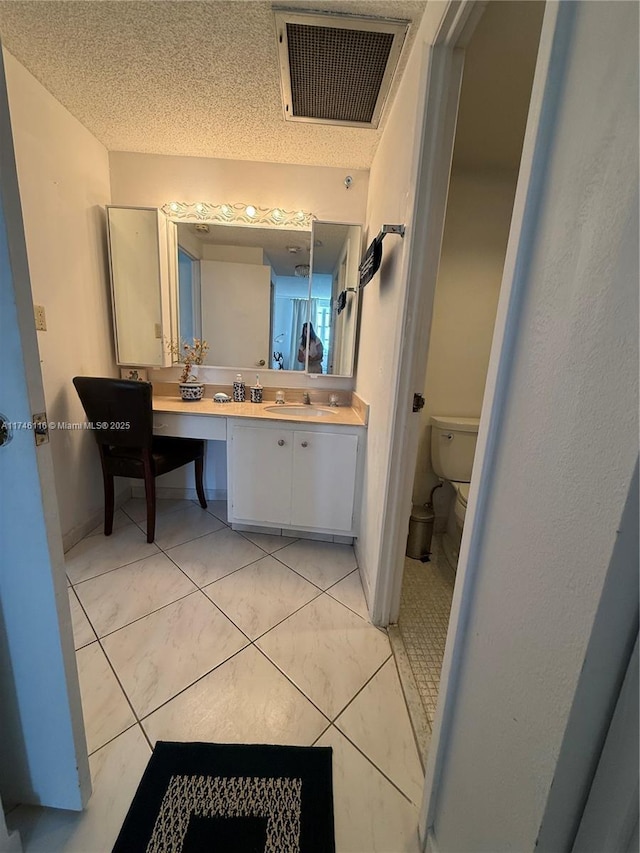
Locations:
{"points": [[246, 280]]}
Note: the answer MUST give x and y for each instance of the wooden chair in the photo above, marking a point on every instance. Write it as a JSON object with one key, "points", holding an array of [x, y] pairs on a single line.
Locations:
{"points": [[122, 418]]}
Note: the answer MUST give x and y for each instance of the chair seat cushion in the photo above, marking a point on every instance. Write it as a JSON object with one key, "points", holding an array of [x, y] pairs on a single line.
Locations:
{"points": [[167, 454]]}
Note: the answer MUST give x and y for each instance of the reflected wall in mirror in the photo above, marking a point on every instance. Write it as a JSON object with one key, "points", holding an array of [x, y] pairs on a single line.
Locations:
{"points": [[245, 290], [333, 304], [248, 292]]}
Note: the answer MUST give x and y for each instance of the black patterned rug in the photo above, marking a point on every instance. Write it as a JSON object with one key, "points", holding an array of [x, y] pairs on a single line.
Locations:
{"points": [[228, 798]]}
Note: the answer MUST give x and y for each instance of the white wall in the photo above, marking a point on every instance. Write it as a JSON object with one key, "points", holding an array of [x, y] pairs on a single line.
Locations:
{"points": [[476, 230], [155, 179], [233, 254], [63, 172], [391, 191], [567, 443]]}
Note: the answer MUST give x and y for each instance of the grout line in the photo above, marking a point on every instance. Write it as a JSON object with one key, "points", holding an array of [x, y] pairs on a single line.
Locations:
{"points": [[373, 764], [86, 616], [144, 615], [199, 678], [323, 732], [246, 534], [292, 682], [373, 675], [322, 589], [284, 619], [117, 677], [115, 737], [115, 568]]}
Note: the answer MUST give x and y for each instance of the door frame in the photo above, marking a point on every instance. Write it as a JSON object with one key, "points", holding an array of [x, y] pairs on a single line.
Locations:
{"points": [[443, 62], [43, 739]]}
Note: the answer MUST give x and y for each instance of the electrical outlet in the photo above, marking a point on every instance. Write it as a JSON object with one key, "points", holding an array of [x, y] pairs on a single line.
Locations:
{"points": [[158, 331], [41, 320]]}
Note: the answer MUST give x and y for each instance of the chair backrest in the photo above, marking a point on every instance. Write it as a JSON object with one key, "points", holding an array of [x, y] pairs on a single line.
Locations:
{"points": [[119, 409]]}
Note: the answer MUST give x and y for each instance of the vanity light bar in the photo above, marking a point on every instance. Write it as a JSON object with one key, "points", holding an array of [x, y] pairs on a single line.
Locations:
{"points": [[238, 214]]}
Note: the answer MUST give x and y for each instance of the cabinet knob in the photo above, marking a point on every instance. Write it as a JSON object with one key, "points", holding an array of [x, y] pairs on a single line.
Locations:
{"points": [[304, 444], [280, 442]]}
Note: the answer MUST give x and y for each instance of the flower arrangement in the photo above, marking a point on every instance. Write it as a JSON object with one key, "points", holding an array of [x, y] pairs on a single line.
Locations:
{"points": [[189, 355]]}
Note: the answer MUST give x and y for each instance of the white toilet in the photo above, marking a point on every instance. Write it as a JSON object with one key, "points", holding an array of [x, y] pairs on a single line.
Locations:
{"points": [[453, 446]]}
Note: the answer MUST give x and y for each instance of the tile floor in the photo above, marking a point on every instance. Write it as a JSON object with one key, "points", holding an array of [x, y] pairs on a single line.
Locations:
{"points": [[425, 605], [210, 634]]}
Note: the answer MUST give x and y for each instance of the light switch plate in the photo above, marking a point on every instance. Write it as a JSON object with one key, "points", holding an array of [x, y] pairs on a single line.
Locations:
{"points": [[158, 331], [40, 318]]}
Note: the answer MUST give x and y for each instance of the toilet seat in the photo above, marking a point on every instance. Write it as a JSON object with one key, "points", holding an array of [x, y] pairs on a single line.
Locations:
{"points": [[462, 496], [462, 493]]}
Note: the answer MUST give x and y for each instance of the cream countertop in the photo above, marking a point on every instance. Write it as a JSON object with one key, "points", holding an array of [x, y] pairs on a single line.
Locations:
{"points": [[354, 415]]}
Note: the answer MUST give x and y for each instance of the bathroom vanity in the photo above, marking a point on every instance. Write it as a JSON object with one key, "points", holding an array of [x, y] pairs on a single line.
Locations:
{"points": [[286, 469]]}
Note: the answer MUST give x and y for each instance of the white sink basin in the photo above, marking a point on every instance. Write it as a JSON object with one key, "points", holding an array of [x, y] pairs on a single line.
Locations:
{"points": [[307, 411]]}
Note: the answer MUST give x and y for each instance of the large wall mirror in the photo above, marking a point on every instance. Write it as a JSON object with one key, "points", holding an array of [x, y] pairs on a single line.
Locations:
{"points": [[252, 293], [263, 294]]}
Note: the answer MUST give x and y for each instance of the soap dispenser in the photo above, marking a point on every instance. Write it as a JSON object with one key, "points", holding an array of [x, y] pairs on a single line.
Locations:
{"points": [[239, 389], [256, 391]]}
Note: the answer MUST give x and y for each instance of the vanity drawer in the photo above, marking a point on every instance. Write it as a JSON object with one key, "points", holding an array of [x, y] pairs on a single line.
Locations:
{"points": [[190, 426]]}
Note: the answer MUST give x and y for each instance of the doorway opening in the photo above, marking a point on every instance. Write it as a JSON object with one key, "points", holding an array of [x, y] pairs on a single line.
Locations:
{"points": [[494, 101]]}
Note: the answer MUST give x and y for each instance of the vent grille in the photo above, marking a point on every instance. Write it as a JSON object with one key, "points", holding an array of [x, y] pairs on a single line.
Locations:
{"points": [[337, 69], [336, 74]]}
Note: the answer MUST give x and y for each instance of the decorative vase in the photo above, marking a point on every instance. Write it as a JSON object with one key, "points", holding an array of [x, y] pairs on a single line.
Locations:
{"points": [[191, 391]]}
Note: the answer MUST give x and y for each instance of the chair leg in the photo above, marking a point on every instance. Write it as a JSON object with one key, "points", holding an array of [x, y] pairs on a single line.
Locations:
{"points": [[108, 503], [150, 494], [199, 463]]}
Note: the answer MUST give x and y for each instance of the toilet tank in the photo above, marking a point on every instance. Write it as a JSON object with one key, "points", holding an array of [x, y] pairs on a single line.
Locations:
{"points": [[453, 446]]}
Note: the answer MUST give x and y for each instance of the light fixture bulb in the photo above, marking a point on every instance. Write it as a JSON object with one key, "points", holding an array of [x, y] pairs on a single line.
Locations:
{"points": [[251, 211]]}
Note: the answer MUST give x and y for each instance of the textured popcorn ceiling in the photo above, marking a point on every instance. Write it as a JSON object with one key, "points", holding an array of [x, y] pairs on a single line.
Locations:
{"points": [[188, 78]]}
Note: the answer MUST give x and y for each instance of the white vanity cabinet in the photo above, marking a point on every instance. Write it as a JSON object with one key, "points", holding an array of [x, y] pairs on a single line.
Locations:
{"points": [[293, 475]]}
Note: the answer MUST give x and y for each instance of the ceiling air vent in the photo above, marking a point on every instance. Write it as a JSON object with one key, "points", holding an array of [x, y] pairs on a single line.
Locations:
{"points": [[336, 69]]}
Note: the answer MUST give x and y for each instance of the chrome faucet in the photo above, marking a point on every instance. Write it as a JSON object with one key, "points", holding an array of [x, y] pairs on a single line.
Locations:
{"points": [[306, 398]]}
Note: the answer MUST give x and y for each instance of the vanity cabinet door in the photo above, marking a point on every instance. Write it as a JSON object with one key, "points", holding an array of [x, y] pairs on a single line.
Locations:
{"points": [[262, 467], [324, 478]]}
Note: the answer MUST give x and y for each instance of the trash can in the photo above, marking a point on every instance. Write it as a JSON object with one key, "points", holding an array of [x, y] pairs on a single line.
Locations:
{"points": [[420, 532]]}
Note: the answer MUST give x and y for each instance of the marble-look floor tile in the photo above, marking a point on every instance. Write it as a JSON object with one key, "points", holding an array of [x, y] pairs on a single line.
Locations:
{"points": [[269, 542], [370, 814], [259, 596], [83, 633], [136, 508], [163, 653], [327, 651], [322, 563], [116, 770], [98, 554], [349, 592], [377, 721], [246, 700], [124, 595], [219, 509], [175, 528], [120, 519], [104, 705], [211, 557]]}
